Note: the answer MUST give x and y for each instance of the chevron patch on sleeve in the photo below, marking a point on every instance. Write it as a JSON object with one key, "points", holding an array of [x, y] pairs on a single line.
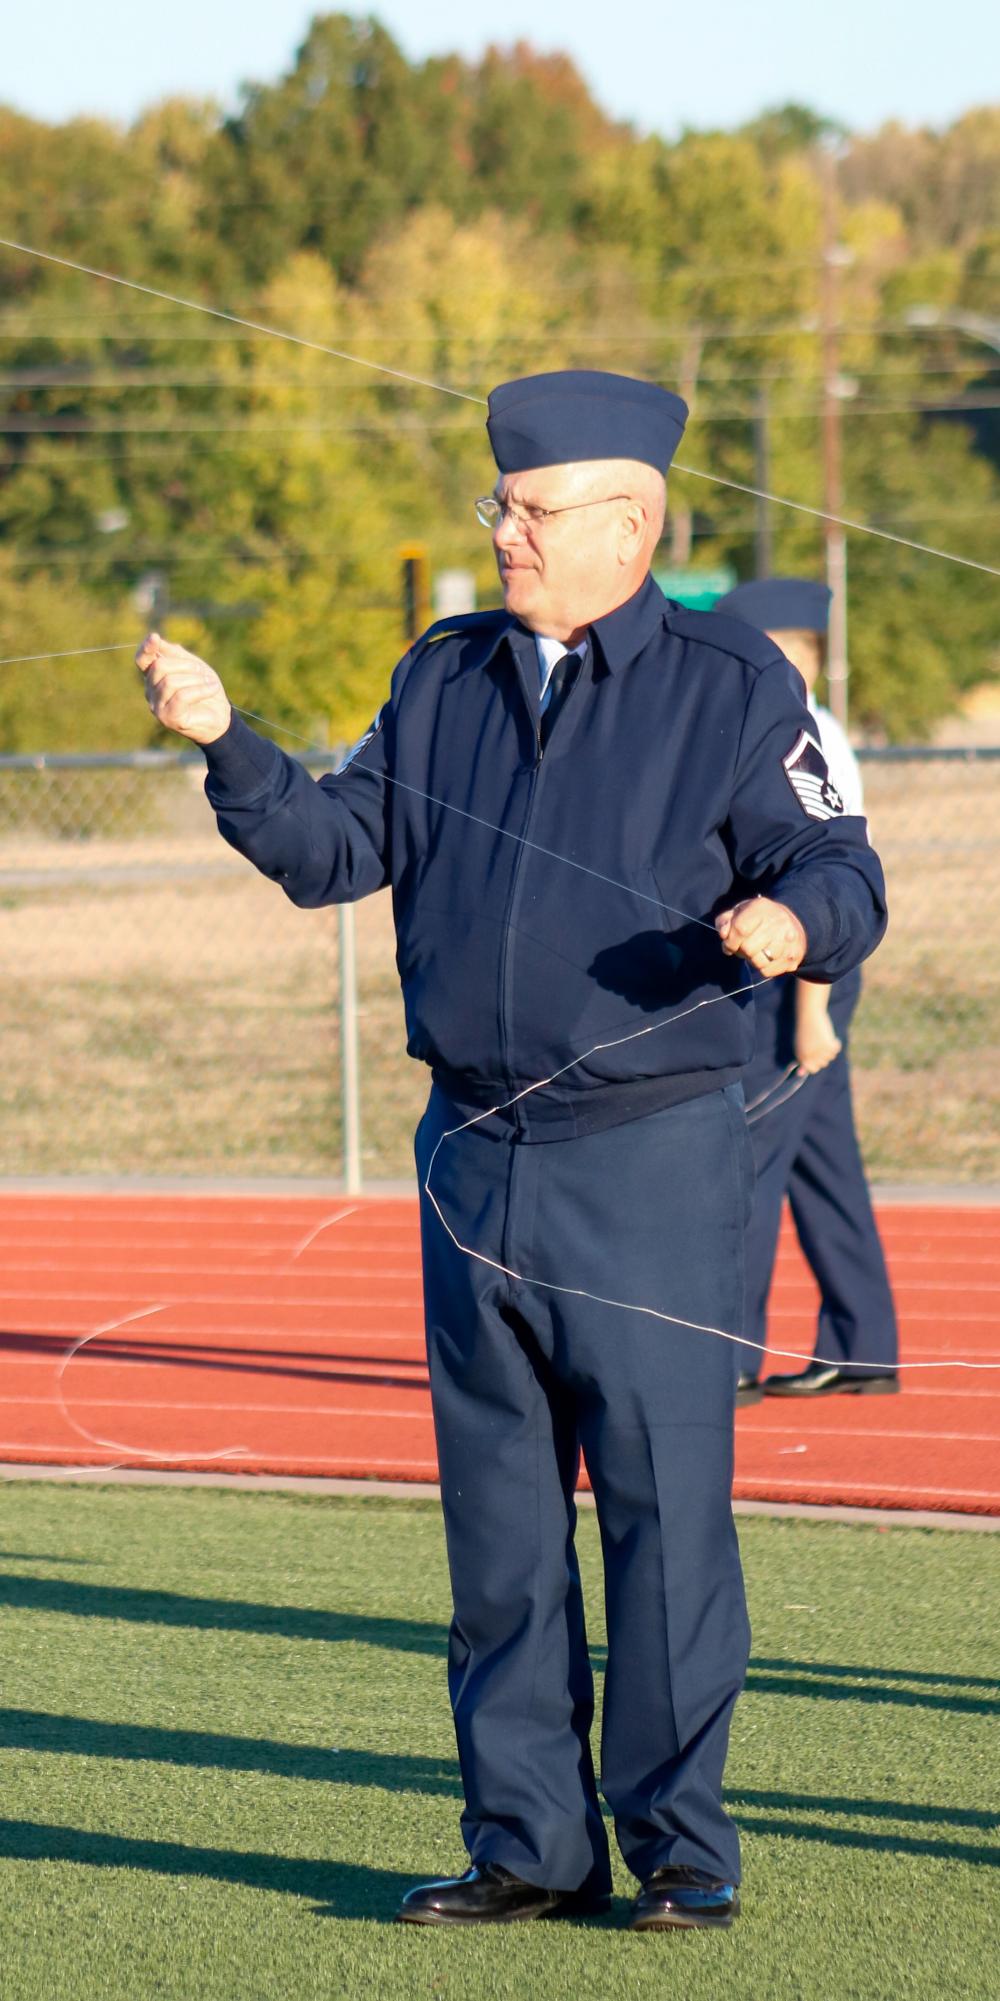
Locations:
{"points": [[806, 770]]}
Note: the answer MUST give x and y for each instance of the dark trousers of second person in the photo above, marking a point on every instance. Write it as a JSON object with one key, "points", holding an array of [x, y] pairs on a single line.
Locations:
{"points": [[805, 1145], [527, 1368]]}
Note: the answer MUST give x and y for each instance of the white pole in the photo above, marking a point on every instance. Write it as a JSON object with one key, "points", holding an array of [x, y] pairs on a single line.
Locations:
{"points": [[349, 1051]]}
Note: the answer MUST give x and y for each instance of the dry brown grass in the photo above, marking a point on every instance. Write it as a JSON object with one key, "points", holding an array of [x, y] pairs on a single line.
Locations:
{"points": [[166, 1011]]}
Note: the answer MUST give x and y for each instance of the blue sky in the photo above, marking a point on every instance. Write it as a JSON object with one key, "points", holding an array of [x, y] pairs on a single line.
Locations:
{"points": [[661, 64]]}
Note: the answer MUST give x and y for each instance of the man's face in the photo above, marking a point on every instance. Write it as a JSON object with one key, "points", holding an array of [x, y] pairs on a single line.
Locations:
{"points": [[560, 573]]}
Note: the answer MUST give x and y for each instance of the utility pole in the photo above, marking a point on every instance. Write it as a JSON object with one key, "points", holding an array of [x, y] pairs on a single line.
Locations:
{"points": [[681, 521], [833, 493], [762, 481], [414, 589]]}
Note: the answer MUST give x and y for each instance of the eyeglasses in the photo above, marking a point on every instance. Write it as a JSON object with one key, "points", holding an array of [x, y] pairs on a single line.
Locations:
{"points": [[491, 511]]}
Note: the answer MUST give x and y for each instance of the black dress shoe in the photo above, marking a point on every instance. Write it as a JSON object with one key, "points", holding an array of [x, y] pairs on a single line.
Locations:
{"points": [[489, 1895], [686, 1898], [825, 1379], [748, 1389]]}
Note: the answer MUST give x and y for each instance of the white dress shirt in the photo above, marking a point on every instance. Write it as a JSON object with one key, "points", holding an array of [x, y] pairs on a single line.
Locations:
{"points": [[549, 651]]}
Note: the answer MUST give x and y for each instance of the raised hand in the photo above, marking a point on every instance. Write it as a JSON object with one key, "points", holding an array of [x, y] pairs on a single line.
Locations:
{"points": [[184, 693]]}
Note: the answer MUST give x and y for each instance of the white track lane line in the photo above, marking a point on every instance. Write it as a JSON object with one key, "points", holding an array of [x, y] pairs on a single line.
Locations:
{"points": [[343, 1462], [210, 1340], [304, 1410], [309, 1410], [850, 1432], [226, 1300], [865, 1488]]}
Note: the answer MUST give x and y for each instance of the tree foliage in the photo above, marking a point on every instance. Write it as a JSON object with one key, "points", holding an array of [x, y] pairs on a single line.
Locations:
{"points": [[459, 222]]}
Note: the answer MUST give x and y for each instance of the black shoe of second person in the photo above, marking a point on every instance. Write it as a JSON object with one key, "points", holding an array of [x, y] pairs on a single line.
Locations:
{"points": [[749, 1389], [488, 1894], [825, 1379]]}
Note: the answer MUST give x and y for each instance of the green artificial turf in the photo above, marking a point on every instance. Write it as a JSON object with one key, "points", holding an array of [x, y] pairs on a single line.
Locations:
{"points": [[226, 1752]]}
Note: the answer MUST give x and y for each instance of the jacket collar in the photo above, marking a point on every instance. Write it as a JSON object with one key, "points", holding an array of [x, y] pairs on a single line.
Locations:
{"points": [[618, 637]]}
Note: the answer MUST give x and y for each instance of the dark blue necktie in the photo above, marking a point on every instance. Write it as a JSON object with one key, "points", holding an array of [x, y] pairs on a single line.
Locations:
{"points": [[560, 682]]}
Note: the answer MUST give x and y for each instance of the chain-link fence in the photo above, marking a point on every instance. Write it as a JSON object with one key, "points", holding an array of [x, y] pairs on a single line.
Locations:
{"points": [[167, 1012]]}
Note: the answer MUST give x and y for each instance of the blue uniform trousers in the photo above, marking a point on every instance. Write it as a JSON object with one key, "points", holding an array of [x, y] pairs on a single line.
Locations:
{"points": [[806, 1145], [651, 1213]]}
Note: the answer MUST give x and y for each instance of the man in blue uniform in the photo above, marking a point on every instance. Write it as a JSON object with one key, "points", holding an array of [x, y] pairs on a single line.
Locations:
{"points": [[583, 805], [798, 1092]]}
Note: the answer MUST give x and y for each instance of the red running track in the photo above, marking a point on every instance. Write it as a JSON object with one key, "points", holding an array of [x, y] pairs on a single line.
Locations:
{"points": [[231, 1333]]}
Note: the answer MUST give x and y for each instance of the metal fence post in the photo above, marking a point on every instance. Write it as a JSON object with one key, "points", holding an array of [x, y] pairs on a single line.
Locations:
{"points": [[349, 1050]]}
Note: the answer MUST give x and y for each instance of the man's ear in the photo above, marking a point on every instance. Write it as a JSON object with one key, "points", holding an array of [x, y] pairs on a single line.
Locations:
{"points": [[633, 532]]}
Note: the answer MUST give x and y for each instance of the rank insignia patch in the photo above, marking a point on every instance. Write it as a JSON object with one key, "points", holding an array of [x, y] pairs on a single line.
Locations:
{"points": [[807, 774]]}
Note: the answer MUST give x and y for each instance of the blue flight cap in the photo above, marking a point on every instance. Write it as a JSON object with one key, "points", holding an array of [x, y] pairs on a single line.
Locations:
{"points": [[575, 414], [780, 604]]}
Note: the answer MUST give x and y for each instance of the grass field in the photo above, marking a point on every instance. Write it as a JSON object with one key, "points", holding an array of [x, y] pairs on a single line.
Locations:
{"points": [[227, 1751], [170, 1013]]}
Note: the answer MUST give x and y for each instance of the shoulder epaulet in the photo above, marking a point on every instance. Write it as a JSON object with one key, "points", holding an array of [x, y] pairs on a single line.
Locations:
{"points": [[725, 633], [466, 621]]}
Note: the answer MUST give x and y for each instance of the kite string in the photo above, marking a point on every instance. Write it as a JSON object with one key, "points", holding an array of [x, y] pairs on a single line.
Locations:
{"points": [[115, 1444], [144, 1313], [236, 320]]}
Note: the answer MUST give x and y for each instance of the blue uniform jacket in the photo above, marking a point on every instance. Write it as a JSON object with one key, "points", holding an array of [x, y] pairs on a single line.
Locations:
{"points": [[547, 904]]}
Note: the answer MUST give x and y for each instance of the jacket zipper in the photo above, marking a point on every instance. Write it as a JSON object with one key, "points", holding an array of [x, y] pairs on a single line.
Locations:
{"points": [[507, 955], [506, 995], [513, 905]]}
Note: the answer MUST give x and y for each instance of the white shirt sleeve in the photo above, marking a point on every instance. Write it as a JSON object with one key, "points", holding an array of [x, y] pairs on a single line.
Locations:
{"points": [[844, 768]]}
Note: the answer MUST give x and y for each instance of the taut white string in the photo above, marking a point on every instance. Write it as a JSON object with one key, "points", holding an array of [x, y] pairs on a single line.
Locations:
{"points": [[236, 320]]}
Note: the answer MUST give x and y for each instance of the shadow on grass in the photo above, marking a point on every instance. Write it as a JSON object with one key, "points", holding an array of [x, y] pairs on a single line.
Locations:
{"points": [[41, 1556], [769, 1812], [839, 1670], [168, 1608], [823, 1682], [858, 1838], [829, 1680], [343, 1889], [351, 1890], [80, 1736], [867, 1809]]}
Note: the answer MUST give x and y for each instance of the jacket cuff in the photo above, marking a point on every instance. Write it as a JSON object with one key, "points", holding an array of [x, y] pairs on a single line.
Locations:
{"points": [[240, 763], [819, 920]]}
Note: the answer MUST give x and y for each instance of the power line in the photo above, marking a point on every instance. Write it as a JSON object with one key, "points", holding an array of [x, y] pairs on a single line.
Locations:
{"points": [[118, 328], [78, 427], [141, 377], [215, 312]]}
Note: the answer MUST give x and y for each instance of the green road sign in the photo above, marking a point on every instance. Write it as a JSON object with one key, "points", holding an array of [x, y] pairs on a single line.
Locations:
{"points": [[698, 589]]}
